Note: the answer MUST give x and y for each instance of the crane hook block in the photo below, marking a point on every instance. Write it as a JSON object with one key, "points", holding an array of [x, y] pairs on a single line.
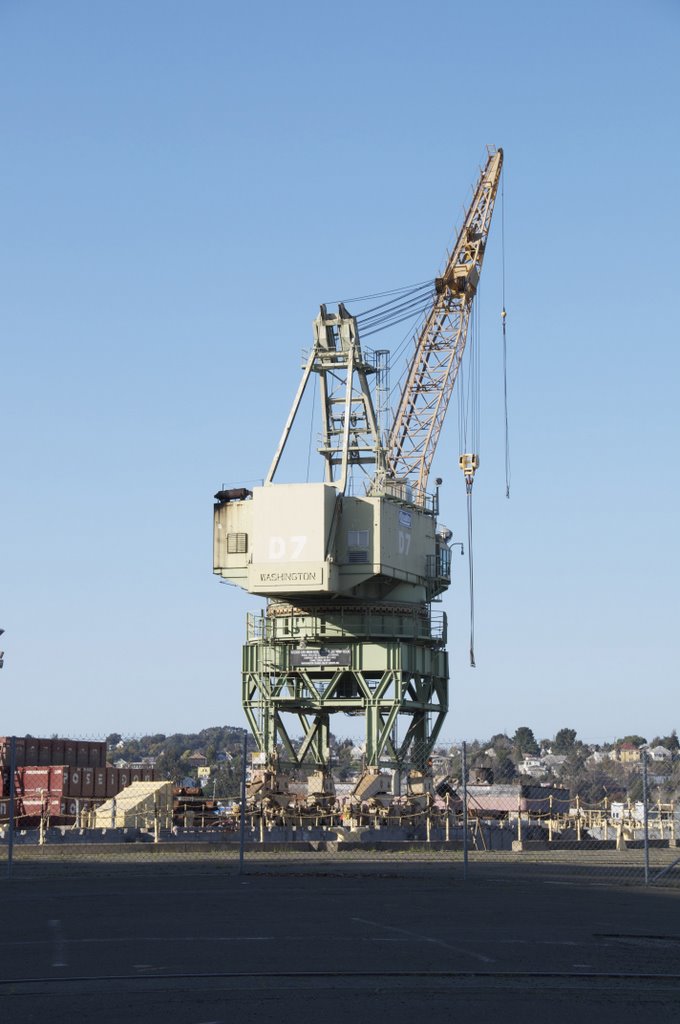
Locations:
{"points": [[469, 463]]}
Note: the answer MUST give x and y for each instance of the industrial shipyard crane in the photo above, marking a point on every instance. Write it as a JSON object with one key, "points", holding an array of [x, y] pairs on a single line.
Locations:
{"points": [[350, 573]]}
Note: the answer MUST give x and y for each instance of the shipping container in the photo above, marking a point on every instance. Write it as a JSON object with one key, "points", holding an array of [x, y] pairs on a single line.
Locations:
{"points": [[32, 752], [123, 778], [59, 779], [111, 781], [35, 779], [97, 755], [6, 750], [75, 782], [4, 781], [47, 805], [4, 809], [88, 781], [53, 779], [100, 782]]}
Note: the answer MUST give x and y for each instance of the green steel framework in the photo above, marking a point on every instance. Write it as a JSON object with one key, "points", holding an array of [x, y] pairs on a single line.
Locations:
{"points": [[400, 671]]}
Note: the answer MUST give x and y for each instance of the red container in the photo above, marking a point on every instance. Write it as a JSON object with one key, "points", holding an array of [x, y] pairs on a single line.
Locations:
{"points": [[35, 779], [59, 779], [48, 779], [70, 752], [148, 775], [123, 778], [49, 804], [135, 775], [58, 752], [75, 782], [82, 754], [44, 752], [111, 781], [32, 751], [100, 782]]}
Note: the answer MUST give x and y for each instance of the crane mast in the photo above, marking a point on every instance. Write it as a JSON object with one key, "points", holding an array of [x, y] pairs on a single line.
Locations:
{"points": [[349, 575]]}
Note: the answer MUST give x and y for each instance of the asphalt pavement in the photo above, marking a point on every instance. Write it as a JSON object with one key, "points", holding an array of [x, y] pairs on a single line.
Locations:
{"points": [[396, 942]]}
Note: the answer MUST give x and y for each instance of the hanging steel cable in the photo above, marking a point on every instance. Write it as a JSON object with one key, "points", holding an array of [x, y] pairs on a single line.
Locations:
{"points": [[412, 314], [378, 295], [405, 303], [409, 305], [504, 316], [428, 287], [397, 312], [469, 439]]}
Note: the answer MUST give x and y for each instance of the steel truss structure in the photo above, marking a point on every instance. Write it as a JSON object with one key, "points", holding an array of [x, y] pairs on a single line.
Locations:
{"points": [[381, 679], [440, 346]]}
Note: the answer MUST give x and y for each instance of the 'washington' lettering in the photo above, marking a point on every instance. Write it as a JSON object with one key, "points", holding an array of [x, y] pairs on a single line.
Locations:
{"points": [[288, 577]]}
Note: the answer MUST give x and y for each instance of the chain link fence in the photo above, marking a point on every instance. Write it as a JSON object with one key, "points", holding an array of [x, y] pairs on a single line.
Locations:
{"points": [[468, 807]]}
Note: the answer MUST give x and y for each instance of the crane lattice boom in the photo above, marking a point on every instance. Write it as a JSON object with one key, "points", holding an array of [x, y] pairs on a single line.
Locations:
{"points": [[439, 348]]}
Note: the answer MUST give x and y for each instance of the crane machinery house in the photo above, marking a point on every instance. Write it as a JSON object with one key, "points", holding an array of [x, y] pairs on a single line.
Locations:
{"points": [[349, 567]]}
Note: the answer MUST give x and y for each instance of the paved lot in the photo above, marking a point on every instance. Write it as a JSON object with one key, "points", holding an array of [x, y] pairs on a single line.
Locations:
{"points": [[194, 943]]}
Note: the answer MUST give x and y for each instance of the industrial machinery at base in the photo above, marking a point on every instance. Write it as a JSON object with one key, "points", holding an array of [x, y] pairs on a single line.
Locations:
{"points": [[350, 566]]}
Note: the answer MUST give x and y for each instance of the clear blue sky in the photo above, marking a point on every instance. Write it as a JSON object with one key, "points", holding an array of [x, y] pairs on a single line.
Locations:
{"points": [[182, 184]]}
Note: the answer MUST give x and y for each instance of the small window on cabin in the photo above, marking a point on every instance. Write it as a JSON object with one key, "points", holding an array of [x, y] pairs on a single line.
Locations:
{"points": [[237, 543], [357, 539]]}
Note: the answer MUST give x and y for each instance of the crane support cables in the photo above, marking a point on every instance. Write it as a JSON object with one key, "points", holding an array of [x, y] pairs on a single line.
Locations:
{"points": [[440, 345]]}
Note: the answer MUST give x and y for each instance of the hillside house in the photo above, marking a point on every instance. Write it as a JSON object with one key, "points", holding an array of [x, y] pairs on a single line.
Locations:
{"points": [[626, 753]]}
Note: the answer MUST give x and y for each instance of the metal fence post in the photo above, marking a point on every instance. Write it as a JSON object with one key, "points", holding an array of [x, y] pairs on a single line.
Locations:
{"points": [[156, 822], [465, 813], [12, 791], [242, 836], [645, 814]]}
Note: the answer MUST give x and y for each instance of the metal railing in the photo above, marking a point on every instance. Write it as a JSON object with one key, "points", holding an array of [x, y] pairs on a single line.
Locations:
{"points": [[344, 624]]}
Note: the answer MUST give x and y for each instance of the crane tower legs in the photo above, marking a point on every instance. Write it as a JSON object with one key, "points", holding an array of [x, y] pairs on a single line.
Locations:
{"points": [[379, 663]]}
